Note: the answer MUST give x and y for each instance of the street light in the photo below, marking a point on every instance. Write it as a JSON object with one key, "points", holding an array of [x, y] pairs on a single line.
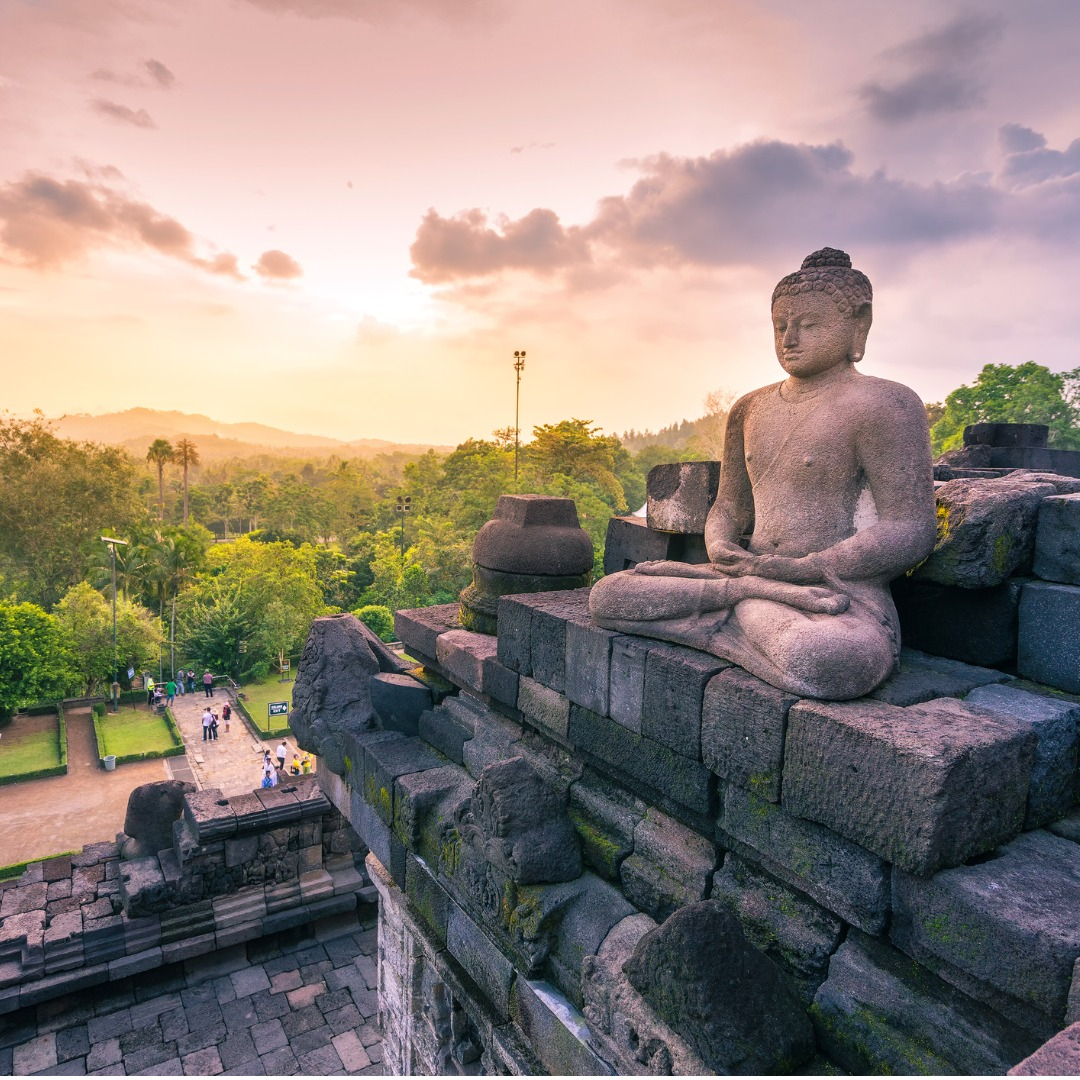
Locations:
{"points": [[404, 506], [519, 367], [116, 660]]}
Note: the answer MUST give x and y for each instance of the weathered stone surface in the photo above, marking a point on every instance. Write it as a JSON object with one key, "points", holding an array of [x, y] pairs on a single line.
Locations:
{"points": [[605, 816], [671, 866], [1005, 931], [626, 682], [461, 654], [1049, 636], [151, 811], [419, 629], [209, 814], [497, 681], [679, 495], [977, 626], [1067, 826], [730, 1003], [515, 634], [629, 541], [385, 761], [551, 612], [543, 707], [521, 825], [670, 778], [588, 666], [448, 727], [555, 1029], [993, 434], [398, 700], [423, 801], [781, 922], [427, 896], [840, 875], [1060, 1056], [986, 531], [880, 1012], [481, 958], [1057, 540], [494, 736], [534, 534], [1053, 772], [743, 722], [675, 681], [143, 887], [923, 678], [923, 787]]}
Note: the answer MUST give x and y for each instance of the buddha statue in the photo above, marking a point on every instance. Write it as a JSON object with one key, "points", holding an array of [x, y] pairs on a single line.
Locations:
{"points": [[828, 474]]}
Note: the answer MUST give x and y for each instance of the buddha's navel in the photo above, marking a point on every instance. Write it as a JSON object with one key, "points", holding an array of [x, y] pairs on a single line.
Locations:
{"points": [[808, 462]]}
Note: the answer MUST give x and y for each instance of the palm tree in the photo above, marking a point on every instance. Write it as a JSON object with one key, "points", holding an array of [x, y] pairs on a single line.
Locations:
{"points": [[160, 452], [186, 455]]}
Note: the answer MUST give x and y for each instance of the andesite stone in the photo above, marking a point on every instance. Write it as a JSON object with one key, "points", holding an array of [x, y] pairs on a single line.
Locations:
{"points": [[679, 495], [1049, 635]]}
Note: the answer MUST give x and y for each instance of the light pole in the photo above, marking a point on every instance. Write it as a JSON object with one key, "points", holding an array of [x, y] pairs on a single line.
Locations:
{"points": [[404, 505], [519, 367], [116, 660]]}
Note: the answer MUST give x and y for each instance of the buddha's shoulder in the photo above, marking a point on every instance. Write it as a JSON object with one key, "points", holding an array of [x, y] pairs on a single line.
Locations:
{"points": [[870, 391]]}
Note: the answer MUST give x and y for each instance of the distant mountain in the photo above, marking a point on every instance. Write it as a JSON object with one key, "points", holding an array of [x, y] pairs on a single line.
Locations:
{"points": [[135, 429]]}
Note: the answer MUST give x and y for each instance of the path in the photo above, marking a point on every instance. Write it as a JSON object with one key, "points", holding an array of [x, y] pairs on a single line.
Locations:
{"points": [[62, 813]]}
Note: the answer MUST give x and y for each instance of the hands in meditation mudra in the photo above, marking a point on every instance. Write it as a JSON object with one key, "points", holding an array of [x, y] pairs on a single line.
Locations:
{"points": [[829, 472]]}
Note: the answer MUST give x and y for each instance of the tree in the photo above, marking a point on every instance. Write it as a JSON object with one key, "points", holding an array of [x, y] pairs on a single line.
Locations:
{"points": [[160, 452], [398, 582], [86, 617], [56, 499], [378, 619], [36, 661], [187, 454], [711, 428], [1003, 394]]}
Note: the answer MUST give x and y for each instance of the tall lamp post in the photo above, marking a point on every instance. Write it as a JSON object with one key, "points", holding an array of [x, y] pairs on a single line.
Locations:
{"points": [[112, 542], [519, 367], [404, 505]]}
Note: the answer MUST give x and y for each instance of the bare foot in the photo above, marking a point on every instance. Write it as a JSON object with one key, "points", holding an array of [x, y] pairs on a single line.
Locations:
{"points": [[665, 568]]}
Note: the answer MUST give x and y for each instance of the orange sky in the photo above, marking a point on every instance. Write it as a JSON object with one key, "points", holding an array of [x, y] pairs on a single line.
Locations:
{"points": [[343, 216]]}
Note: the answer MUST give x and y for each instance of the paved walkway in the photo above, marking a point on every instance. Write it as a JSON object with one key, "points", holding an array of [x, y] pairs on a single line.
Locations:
{"points": [[62, 813], [278, 1006]]}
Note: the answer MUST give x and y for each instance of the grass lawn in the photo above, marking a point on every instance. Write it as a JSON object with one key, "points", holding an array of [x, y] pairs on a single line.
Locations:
{"points": [[30, 749], [258, 695], [133, 731]]}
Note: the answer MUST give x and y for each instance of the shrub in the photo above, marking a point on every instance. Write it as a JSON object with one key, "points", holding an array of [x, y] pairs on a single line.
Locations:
{"points": [[378, 619]]}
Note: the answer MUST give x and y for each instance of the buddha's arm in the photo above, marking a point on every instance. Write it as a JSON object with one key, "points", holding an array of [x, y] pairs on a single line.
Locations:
{"points": [[732, 514]]}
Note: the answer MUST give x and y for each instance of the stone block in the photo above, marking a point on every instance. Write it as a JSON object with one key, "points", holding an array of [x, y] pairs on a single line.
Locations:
{"points": [[423, 802], [556, 1031], [1055, 723], [399, 700], [62, 983], [743, 722], [675, 681], [480, 958], [880, 1012], [209, 814], [1005, 931], [605, 816], [630, 541], [419, 629], [923, 678], [672, 781], [923, 787], [498, 681], [551, 612], [384, 762], [671, 866], [461, 655], [494, 736], [679, 495], [448, 727], [544, 708], [986, 531], [427, 896], [1049, 636], [781, 922], [515, 634], [1057, 540], [239, 852], [1059, 1056], [124, 966], [977, 626], [188, 948], [626, 682], [588, 664]]}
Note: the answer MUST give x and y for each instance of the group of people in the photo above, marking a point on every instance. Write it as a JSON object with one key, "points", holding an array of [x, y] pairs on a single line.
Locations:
{"points": [[210, 722], [271, 770], [183, 682]]}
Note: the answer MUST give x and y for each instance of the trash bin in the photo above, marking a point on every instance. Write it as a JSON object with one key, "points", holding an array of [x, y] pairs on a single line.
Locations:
{"points": [[109, 761]]}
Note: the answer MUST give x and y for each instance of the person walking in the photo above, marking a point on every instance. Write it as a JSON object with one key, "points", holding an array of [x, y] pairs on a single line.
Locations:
{"points": [[208, 684], [170, 693], [180, 682], [213, 726], [207, 720], [226, 715], [190, 681], [282, 750]]}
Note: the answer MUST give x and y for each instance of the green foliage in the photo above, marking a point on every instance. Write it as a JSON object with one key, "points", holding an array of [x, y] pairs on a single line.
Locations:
{"points": [[378, 619], [36, 660], [56, 498], [30, 755], [137, 735], [1005, 394], [86, 617], [399, 582]]}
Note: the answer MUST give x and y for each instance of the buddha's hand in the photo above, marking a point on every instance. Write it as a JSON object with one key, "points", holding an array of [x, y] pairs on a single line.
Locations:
{"points": [[667, 568], [809, 569]]}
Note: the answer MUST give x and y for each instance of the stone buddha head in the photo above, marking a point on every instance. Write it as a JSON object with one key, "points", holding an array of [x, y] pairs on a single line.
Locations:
{"points": [[821, 314]]}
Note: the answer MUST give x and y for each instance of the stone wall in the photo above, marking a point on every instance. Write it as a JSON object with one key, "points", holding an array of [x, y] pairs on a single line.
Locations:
{"points": [[239, 868]]}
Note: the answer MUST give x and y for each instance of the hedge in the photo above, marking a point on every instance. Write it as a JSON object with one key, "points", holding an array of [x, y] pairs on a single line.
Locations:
{"points": [[61, 736], [123, 759], [17, 869], [273, 733]]}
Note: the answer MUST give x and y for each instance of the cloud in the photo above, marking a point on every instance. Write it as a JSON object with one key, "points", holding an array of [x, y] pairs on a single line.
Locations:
{"points": [[161, 75], [382, 11], [45, 223], [942, 73], [115, 111], [733, 208], [276, 264], [467, 246], [1015, 138], [531, 146], [1031, 161]]}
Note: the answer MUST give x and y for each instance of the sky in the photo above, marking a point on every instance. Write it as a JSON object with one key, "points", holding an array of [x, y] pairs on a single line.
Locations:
{"points": [[343, 217]]}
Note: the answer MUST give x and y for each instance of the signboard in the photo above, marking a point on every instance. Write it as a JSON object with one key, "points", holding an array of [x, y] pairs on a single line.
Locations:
{"points": [[278, 708], [131, 673], [285, 665]]}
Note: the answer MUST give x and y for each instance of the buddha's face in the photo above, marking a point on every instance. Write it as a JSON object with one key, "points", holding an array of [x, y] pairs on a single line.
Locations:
{"points": [[812, 335]]}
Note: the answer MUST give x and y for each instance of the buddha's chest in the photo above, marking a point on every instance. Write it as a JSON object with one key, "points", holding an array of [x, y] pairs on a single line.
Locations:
{"points": [[805, 448]]}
